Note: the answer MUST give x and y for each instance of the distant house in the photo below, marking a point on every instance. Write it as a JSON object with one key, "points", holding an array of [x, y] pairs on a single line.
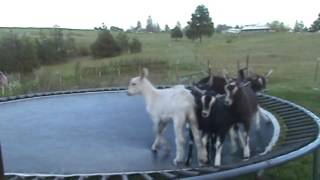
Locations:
{"points": [[256, 28], [232, 31], [248, 28]]}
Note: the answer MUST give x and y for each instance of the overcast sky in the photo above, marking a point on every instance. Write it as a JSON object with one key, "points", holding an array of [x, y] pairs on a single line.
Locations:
{"points": [[121, 13]]}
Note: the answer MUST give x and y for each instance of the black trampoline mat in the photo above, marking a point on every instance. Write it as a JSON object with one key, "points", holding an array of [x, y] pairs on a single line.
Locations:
{"points": [[103, 132]]}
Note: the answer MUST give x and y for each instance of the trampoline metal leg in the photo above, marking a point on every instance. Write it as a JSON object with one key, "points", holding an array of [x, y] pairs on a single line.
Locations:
{"points": [[316, 164], [1, 166]]}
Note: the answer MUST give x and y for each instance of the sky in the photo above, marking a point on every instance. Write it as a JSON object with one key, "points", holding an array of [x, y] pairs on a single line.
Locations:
{"points": [[87, 14]]}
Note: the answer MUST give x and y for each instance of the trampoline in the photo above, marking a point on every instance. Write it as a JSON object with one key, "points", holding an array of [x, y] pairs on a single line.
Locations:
{"points": [[103, 133]]}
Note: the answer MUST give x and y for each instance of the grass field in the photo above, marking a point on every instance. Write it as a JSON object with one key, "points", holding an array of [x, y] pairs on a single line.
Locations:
{"points": [[291, 55]]}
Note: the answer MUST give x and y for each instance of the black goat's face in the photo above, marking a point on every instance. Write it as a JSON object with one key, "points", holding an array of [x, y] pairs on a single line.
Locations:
{"points": [[230, 89], [207, 102]]}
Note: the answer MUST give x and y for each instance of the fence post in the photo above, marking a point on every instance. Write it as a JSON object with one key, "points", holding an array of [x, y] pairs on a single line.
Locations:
{"points": [[315, 78], [316, 164], [1, 166]]}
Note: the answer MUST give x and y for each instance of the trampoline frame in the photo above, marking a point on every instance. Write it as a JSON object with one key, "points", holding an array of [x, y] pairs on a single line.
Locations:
{"points": [[275, 105]]}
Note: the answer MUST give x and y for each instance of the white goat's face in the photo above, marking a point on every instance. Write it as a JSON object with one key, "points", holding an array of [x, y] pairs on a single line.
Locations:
{"points": [[135, 86], [207, 102], [230, 89]]}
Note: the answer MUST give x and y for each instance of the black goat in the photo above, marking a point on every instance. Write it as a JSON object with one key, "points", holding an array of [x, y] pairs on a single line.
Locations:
{"points": [[214, 119], [243, 104], [215, 83]]}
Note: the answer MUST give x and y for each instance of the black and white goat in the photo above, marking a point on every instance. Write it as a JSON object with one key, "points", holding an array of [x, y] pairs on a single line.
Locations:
{"points": [[243, 104], [163, 105], [214, 118]]}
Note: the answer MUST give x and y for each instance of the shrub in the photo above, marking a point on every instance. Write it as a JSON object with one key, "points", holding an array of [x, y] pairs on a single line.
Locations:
{"points": [[123, 41], [135, 46], [17, 54], [105, 45]]}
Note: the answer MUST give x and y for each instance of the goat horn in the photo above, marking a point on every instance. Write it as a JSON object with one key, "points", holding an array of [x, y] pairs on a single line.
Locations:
{"points": [[268, 73], [210, 81], [225, 75]]}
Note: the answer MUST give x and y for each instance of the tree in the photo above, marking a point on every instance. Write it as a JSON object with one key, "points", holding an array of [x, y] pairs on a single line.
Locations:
{"points": [[278, 26], [316, 25], [105, 45], [157, 28], [149, 27], [166, 28], [123, 41], [201, 23], [176, 33], [299, 27], [135, 46], [178, 24]]}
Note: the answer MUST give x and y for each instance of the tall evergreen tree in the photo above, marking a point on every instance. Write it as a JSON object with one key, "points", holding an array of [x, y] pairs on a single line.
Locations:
{"points": [[299, 27], [201, 23], [316, 25], [138, 28], [167, 28]]}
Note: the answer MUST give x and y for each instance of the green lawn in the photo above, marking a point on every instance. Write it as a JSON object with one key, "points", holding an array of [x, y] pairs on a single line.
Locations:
{"points": [[291, 55]]}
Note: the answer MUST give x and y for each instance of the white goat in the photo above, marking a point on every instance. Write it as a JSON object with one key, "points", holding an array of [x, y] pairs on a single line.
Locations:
{"points": [[163, 105]]}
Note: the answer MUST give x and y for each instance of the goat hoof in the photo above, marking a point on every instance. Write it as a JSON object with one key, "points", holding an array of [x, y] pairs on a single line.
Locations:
{"points": [[177, 161], [203, 163], [154, 147]]}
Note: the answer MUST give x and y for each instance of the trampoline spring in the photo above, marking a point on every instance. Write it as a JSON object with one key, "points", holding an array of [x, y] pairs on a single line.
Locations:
{"points": [[188, 173], [288, 110], [292, 141], [299, 136], [14, 178], [298, 119], [290, 114], [286, 116], [303, 128], [274, 108], [146, 176], [168, 175], [299, 124], [208, 169]]}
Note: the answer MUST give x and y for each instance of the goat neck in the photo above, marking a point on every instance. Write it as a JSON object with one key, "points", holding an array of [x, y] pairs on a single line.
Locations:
{"points": [[148, 91]]}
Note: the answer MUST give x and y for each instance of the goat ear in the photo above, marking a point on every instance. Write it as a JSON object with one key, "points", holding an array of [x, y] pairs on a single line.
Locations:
{"points": [[144, 73], [268, 73]]}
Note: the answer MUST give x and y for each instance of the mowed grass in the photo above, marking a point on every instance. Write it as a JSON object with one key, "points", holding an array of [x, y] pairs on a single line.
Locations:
{"points": [[292, 56]]}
